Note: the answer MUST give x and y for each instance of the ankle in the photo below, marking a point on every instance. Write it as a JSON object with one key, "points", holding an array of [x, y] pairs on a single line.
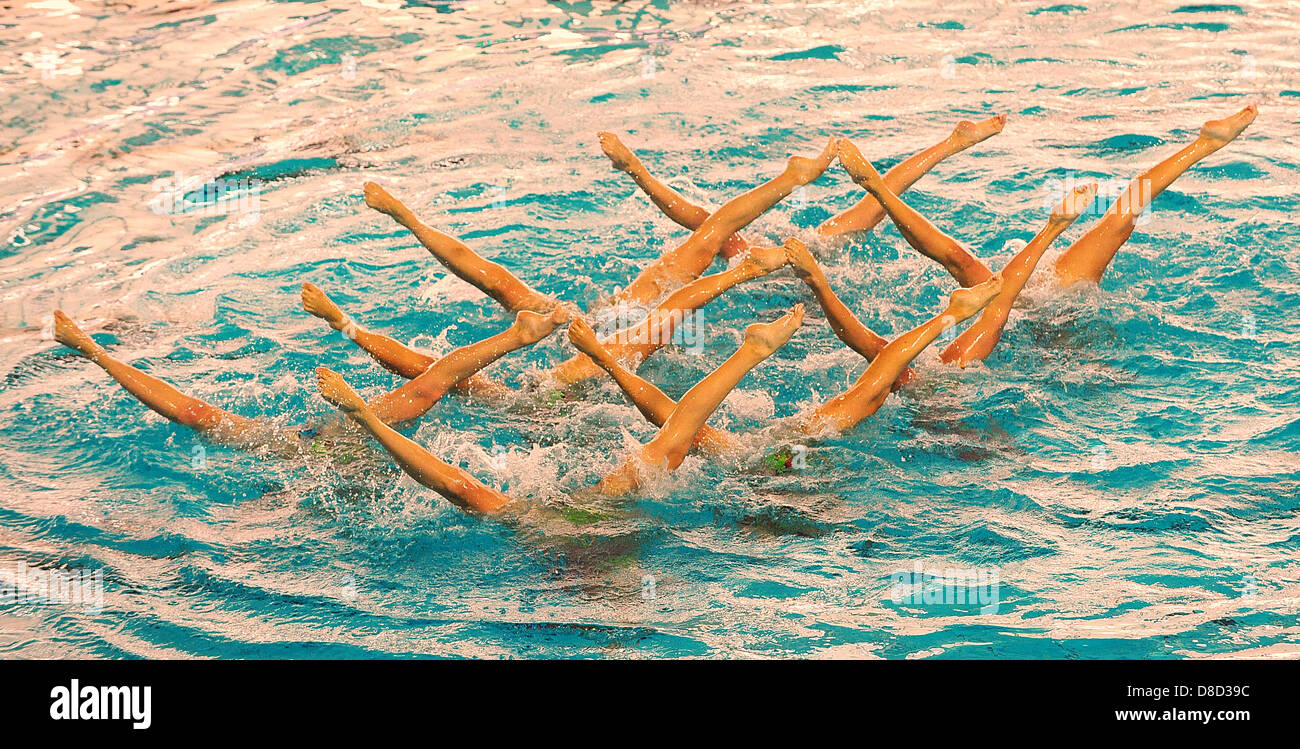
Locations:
{"points": [[815, 280], [1204, 145], [953, 145], [365, 416], [403, 215]]}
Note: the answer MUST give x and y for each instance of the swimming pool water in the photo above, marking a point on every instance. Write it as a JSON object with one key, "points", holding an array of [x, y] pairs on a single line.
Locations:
{"points": [[1126, 462]]}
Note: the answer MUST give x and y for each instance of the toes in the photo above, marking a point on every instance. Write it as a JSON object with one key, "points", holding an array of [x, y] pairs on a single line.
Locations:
{"points": [[832, 148]]}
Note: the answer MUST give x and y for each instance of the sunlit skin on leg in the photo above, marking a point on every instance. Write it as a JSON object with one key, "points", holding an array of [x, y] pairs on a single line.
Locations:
{"points": [[413, 399], [846, 325], [920, 233], [489, 277], [396, 357], [656, 329], [679, 431], [687, 261], [653, 404], [1088, 258], [676, 207], [215, 423], [978, 340], [866, 395], [457, 485], [868, 211]]}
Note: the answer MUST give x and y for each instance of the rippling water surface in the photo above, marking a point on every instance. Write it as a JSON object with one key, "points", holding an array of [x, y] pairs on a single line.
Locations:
{"points": [[1126, 462]]}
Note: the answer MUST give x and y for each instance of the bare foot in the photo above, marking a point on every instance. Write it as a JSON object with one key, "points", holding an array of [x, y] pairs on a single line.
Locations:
{"points": [[1221, 132], [859, 168], [67, 333], [569, 308], [764, 260], [768, 337], [620, 155], [805, 169], [320, 305], [337, 391], [539, 302], [380, 199], [968, 300], [968, 133], [1073, 205], [801, 260], [584, 339], [534, 326]]}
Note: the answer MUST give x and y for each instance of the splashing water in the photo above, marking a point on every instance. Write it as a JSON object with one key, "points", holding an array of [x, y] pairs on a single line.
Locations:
{"points": [[1124, 464]]}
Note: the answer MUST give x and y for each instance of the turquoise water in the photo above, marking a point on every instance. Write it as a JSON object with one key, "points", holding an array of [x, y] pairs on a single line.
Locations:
{"points": [[1126, 462]]}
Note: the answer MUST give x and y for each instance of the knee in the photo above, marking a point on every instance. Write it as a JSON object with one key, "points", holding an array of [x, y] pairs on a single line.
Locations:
{"points": [[429, 392]]}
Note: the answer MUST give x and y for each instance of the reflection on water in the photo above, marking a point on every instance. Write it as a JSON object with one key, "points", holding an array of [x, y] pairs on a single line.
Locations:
{"points": [[170, 172]]}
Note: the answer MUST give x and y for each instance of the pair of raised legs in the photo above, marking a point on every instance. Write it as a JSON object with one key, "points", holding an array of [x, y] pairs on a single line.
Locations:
{"points": [[1085, 260], [863, 215]]}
